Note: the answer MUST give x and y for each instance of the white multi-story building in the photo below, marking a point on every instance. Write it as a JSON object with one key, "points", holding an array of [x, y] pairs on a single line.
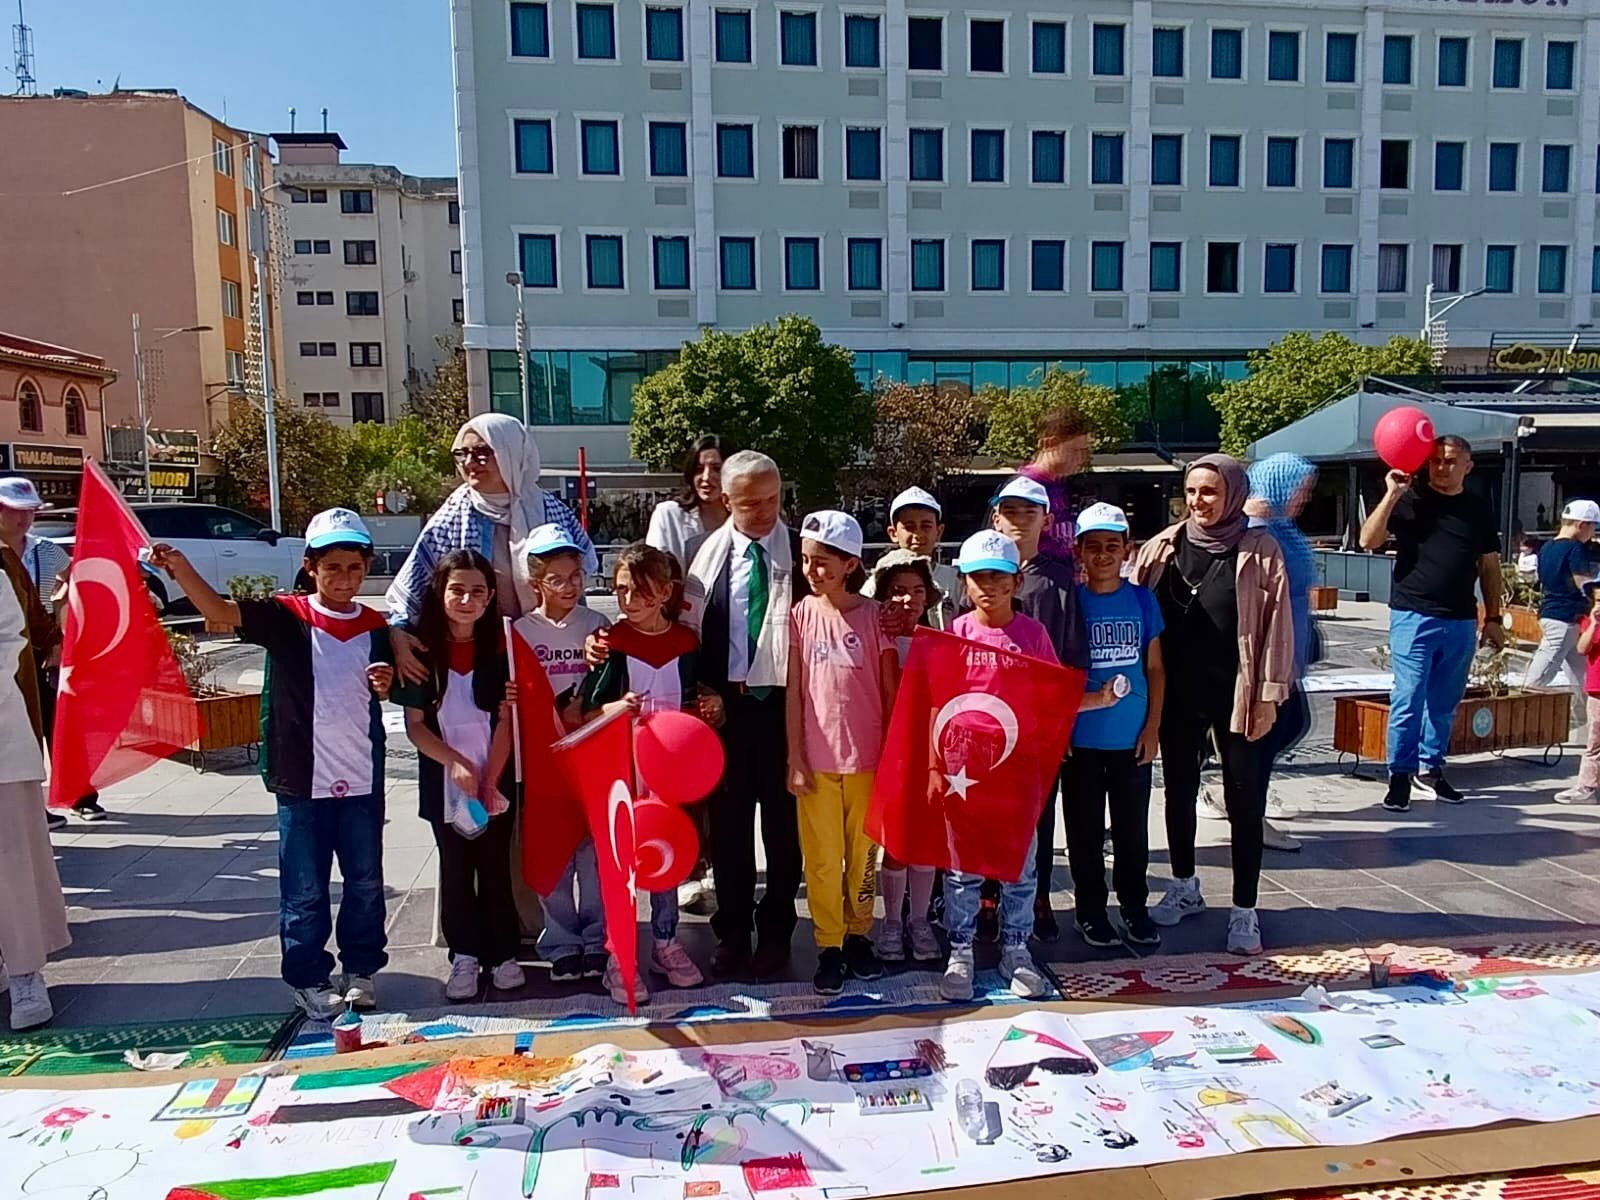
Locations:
{"points": [[371, 279], [1143, 189]]}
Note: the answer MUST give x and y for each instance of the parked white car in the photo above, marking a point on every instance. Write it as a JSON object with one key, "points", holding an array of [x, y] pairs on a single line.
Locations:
{"points": [[220, 542]]}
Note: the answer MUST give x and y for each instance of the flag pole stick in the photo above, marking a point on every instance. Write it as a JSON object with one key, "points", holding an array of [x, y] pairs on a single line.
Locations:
{"points": [[511, 667]]}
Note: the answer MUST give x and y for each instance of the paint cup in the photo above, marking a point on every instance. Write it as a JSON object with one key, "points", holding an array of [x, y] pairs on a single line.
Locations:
{"points": [[346, 1033], [1378, 966]]}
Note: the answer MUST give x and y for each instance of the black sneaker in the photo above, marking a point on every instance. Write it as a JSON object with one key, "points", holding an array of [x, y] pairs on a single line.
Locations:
{"points": [[731, 957], [1141, 930], [1433, 783], [54, 819], [1398, 797], [568, 968], [1097, 930], [88, 809], [594, 964], [771, 958], [831, 972], [860, 959], [1045, 926]]}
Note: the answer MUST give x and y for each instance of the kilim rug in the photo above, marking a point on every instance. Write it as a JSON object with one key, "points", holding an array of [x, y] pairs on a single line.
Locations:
{"points": [[214, 1042], [1545, 1183]]}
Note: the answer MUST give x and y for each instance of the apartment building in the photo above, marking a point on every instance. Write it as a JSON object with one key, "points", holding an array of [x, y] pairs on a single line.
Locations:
{"points": [[372, 278]]}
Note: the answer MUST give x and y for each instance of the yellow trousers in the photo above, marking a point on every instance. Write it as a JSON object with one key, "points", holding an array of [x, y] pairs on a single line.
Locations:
{"points": [[841, 861]]}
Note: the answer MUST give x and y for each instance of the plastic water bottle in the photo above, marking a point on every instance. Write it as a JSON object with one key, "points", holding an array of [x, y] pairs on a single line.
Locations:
{"points": [[970, 1115]]}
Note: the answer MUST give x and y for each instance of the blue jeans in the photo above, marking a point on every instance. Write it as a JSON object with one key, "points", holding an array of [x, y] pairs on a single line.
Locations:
{"points": [[574, 925], [961, 897], [1431, 658], [311, 833]]}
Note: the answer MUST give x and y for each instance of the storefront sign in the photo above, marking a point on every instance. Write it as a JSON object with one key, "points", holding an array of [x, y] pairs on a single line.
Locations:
{"points": [[1526, 357], [28, 456], [168, 482]]}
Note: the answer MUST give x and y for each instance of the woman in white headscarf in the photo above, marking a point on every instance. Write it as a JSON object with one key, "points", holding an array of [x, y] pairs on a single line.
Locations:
{"points": [[499, 503]]}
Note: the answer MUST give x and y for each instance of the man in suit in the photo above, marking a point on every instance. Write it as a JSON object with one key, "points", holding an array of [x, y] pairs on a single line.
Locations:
{"points": [[740, 588]]}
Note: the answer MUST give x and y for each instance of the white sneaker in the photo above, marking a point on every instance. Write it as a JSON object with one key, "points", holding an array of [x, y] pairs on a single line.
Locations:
{"points": [[1280, 809], [30, 1001], [891, 941], [1208, 805], [1274, 838], [1244, 932], [1018, 969], [1181, 899], [671, 961], [360, 992], [613, 983], [924, 942], [508, 976], [319, 1002], [958, 972], [463, 981], [1578, 795]]}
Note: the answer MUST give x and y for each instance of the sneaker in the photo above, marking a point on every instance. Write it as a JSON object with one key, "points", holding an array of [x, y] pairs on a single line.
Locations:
{"points": [[988, 921], [30, 1001], [1021, 973], [1578, 795], [54, 819], [958, 972], [859, 959], [771, 958], [1274, 838], [595, 963], [1045, 926], [1433, 783], [1097, 930], [672, 962], [508, 976], [891, 941], [319, 1002], [1182, 899], [698, 896], [1209, 806], [463, 981], [1280, 809], [360, 992], [731, 958], [831, 972], [613, 983], [924, 942], [1398, 797], [569, 968], [1244, 932], [88, 809], [1140, 929]]}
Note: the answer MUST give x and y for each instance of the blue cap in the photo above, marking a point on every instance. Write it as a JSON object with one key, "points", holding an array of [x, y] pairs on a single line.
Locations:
{"points": [[551, 539], [988, 550], [1101, 517], [335, 527]]}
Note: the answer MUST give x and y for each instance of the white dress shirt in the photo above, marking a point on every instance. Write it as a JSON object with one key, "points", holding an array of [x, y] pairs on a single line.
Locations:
{"points": [[739, 567]]}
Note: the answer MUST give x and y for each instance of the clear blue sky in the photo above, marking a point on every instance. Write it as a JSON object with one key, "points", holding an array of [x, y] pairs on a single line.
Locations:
{"points": [[382, 67]]}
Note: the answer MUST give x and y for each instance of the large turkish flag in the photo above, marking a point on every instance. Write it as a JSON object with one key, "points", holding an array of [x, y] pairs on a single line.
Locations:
{"points": [[553, 823], [123, 702], [973, 747]]}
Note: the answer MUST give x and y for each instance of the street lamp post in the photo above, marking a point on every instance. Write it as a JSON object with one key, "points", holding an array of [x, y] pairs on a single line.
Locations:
{"points": [[514, 279], [138, 388], [1433, 332]]}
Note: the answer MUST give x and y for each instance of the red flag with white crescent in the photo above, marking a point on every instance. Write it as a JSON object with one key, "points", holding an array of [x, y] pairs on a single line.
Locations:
{"points": [[974, 744], [553, 823], [123, 702], [598, 761]]}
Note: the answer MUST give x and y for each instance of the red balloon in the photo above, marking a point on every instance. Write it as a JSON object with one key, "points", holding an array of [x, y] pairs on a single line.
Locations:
{"points": [[665, 845], [1403, 438], [679, 757]]}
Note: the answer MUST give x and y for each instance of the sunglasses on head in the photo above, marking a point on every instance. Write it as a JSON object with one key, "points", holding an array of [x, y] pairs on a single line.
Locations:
{"points": [[478, 455]]}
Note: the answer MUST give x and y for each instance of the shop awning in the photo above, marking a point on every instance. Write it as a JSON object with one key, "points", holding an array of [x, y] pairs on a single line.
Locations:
{"points": [[1342, 431]]}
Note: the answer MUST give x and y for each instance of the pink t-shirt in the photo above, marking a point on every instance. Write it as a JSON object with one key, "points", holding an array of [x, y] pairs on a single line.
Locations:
{"points": [[1591, 678], [841, 682], [1021, 635]]}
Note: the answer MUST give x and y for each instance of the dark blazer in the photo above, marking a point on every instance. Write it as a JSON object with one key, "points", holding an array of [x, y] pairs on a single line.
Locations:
{"points": [[714, 624]]}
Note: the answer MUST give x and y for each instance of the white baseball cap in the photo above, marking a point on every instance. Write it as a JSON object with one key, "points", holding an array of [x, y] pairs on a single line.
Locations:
{"points": [[1576, 510], [336, 526], [17, 492], [835, 530], [551, 539], [1102, 517], [1023, 488], [988, 550], [914, 497]]}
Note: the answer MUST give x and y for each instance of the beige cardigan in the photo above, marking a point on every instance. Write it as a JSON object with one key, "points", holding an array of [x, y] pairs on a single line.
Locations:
{"points": [[1266, 628]]}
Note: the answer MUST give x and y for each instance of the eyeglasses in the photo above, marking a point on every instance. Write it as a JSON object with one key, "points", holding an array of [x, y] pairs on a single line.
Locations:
{"points": [[478, 456]]}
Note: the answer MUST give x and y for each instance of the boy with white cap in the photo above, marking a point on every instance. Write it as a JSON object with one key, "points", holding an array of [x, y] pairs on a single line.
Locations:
{"points": [[1566, 563], [916, 523], [328, 665]]}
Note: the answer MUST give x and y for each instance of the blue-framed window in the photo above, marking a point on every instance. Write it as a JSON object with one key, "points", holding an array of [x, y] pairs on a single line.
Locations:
{"points": [[863, 154], [802, 264], [670, 263], [1453, 55], [1223, 167], [1222, 268], [1499, 269], [1166, 266], [986, 46], [736, 152], [927, 265], [1278, 268], [600, 151], [663, 34], [602, 254], [988, 265], [1397, 54], [1282, 156], [1166, 159], [988, 156], [1227, 54], [925, 43], [1560, 66], [861, 41], [1105, 266], [535, 149], [669, 148], [1447, 266], [1108, 53], [1047, 265], [1503, 166], [530, 31], [1338, 162], [738, 264], [1336, 269], [1552, 270], [597, 31], [1105, 158], [1049, 156], [1339, 58], [732, 35], [1394, 268], [537, 254], [1283, 55], [1166, 52], [865, 262], [1449, 166], [1049, 48], [1555, 176], [1594, 272], [927, 156], [797, 36], [1507, 63]]}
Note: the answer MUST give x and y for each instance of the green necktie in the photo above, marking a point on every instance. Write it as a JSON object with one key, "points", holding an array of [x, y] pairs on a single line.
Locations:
{"points": [[756, 611]]}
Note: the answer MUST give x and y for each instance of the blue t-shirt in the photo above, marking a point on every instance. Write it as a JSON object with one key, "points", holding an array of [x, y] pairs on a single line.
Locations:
{"points": [[1120, 625], [1559, 560]]}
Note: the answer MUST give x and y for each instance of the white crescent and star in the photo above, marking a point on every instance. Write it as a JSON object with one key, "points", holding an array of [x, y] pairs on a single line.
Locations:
{"points": [[111, 577], [975, 702], [620, 801]]}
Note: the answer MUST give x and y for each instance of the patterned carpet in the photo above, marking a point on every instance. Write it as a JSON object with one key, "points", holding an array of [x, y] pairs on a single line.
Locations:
{"points": [[1564, 1183]]}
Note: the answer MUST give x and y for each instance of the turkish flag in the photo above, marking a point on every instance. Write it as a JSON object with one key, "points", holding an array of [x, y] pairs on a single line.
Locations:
{"points": [[973, 747], [123, 702], [598, 762], [553, 823]]}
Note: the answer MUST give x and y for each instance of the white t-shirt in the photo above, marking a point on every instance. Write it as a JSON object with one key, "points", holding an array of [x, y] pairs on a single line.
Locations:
{"points": [[559, 644], [677, 530]]}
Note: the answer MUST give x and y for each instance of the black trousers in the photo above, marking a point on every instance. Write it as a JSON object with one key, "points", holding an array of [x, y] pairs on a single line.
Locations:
{"points": [[1184, 726], [756, 783], [1044, 850], [49, 680], [1293, 723], [1091, 782], [477, 911]]}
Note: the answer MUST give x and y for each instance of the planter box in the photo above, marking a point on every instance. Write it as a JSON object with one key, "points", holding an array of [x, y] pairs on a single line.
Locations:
{"points": [[1523, 623], [1324, 599], [226, 719], [1534, 718]]}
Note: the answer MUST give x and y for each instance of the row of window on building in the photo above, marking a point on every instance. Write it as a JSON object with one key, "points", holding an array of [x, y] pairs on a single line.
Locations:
{"points": [[362, 354], [987, 269], [989, 157], [358, 252], [355, 201], [988, 47], [364, 406], [30, 409], [358, 304]]}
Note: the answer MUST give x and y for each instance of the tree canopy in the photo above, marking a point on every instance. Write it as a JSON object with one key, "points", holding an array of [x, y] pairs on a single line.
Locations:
{"points": [[1014, 416]]}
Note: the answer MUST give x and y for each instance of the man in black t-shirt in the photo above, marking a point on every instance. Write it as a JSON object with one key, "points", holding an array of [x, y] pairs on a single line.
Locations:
{"points": [[1445, 543]]}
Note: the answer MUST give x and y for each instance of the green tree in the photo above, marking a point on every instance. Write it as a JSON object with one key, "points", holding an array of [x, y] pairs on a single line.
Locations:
{"points": [[1302, 372], [920, 434], [439, 400], [776, 388], [1014, 416], [403, 457], [313, 463]]}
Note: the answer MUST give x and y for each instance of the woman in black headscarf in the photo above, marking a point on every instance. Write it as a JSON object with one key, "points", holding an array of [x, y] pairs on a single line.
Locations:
{"points": [[1228, 644]]}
